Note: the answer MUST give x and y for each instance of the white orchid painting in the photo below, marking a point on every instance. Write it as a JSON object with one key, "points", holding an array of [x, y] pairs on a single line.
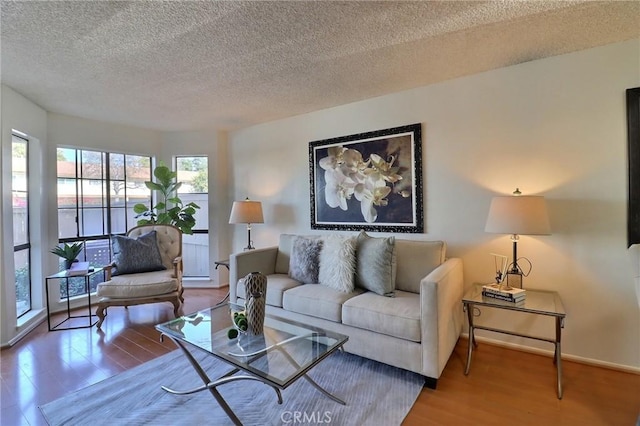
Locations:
{"points": [[368, 181]]}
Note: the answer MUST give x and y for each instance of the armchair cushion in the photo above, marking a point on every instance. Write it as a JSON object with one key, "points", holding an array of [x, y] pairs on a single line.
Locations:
{"points": [[136, 255], [139, 285]]}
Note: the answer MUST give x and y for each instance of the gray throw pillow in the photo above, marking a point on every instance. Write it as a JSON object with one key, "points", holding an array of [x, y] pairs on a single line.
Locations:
{"points": [[304, 263], [135, 255], [376, 264], [338, 263]]}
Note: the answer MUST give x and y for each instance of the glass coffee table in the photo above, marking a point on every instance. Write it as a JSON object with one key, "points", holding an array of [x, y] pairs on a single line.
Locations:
{"points": [[285, 352]]}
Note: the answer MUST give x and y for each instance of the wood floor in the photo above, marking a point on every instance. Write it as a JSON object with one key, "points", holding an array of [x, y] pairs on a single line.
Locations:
{"points": [[504, 387]]}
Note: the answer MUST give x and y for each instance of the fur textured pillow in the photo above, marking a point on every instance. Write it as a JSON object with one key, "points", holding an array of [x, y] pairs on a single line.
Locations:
{"points": [[304, 263], [338, 263], [376, 264]]}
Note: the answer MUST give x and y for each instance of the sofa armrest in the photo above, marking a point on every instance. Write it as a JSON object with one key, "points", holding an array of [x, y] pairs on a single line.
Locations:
{"points": [[257, 260], [441, 315]]}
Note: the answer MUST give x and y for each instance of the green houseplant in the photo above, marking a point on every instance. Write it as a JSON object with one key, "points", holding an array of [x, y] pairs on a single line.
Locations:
{"points": [[69, 252], [170, 209]]}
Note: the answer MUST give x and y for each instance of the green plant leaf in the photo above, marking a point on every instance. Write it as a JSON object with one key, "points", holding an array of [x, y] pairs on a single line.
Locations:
{"points": [[140, 208], [170, 209], [154, 186], [68, 251]]}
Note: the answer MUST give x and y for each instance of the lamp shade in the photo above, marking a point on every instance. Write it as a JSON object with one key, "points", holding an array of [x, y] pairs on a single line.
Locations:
{"points": [[246, 212], [524, 215]]}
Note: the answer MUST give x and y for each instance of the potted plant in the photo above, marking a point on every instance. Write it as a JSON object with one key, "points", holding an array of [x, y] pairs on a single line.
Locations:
{"points": [[169, 210], [69, 252]]}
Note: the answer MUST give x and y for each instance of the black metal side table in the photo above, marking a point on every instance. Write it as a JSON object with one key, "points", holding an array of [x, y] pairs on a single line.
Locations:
{"points": [[224, 263], [63, 275]]}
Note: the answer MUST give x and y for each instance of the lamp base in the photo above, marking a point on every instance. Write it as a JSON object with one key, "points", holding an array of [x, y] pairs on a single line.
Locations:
{"points": [[514, 279]]}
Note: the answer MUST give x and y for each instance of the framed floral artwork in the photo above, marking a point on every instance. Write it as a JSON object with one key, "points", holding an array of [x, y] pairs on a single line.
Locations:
{"points": [[369, 181]]}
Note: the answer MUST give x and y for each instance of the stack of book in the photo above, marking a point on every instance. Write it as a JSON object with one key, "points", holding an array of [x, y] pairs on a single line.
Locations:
{"points": [[508, 294], [78, 269]]}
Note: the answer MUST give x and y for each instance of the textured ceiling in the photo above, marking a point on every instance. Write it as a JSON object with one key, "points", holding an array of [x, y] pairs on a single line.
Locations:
{"points": [[185, 65]]}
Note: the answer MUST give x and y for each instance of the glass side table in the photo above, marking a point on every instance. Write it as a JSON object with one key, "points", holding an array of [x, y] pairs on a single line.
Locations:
{"points": [[546, 303], [63, 275]]}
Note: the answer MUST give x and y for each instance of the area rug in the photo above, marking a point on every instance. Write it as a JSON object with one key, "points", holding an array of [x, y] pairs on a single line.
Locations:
{"points": [[375, 393]]}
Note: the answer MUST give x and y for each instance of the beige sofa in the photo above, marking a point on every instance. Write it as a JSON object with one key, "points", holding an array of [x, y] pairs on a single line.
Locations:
{"points": [[416, 330]]}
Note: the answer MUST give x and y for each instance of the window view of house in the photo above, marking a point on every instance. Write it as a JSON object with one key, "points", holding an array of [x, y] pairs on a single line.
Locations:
{"points": [[21, 242], [194, 175], [96, 194]]}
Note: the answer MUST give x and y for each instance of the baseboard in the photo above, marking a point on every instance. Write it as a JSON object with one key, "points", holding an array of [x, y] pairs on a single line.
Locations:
{"points": [[549, 353], [25, 330], [201, 283]]}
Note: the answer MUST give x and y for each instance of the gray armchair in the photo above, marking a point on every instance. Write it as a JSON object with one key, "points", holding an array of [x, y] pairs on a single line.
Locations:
{"points": [[144, 270]]}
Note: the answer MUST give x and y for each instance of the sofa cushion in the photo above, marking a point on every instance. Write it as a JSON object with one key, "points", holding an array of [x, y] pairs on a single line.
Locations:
{"points": [[138, 285], [338, 263], [376, 264], [415, 260], [134, 255], [276, 285], [398, 316], [304, 263], [317, 300]]}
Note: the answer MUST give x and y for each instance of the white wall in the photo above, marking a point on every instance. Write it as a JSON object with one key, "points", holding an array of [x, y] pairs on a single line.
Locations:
{"points": [[554, 127]]}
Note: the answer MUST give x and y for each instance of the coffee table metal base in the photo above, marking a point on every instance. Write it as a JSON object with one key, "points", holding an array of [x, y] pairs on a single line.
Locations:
{"points": [[229, 377]]}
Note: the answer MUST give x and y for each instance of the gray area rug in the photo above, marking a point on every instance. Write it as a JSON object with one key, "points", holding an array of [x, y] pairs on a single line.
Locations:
{"points": [[375, 393]]}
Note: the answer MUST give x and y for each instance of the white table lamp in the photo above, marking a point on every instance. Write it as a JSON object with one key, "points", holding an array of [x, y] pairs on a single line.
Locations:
{"points": [[247, 212], [518, 215]]}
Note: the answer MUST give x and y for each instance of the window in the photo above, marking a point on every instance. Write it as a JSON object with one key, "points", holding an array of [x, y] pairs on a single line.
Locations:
{"points": [[96, 194], [193, 172], [21, 241]]}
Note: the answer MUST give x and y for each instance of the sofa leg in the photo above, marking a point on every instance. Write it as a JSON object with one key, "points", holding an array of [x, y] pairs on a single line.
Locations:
{"points": [[430, 382]]}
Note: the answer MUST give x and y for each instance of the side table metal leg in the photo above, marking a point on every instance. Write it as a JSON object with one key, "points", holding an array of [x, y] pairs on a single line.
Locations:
{"points": [[469, 309], [558, 355], [226, 298]]}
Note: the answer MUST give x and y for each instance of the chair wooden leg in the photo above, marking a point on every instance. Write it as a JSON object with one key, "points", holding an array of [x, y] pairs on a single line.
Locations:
{"points": [[176, 307], [100, 312]]}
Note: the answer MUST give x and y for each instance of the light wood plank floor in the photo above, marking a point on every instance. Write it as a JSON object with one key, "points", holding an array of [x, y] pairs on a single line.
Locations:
{"points": [[505, 387]]}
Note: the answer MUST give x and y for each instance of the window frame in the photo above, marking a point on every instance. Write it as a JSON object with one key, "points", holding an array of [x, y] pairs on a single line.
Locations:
{"points": [[198, 230], [25, 245], [83, 180]]}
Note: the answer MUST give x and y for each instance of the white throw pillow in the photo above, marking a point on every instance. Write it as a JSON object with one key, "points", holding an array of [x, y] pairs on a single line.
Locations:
{"points": [[338, 263]]}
